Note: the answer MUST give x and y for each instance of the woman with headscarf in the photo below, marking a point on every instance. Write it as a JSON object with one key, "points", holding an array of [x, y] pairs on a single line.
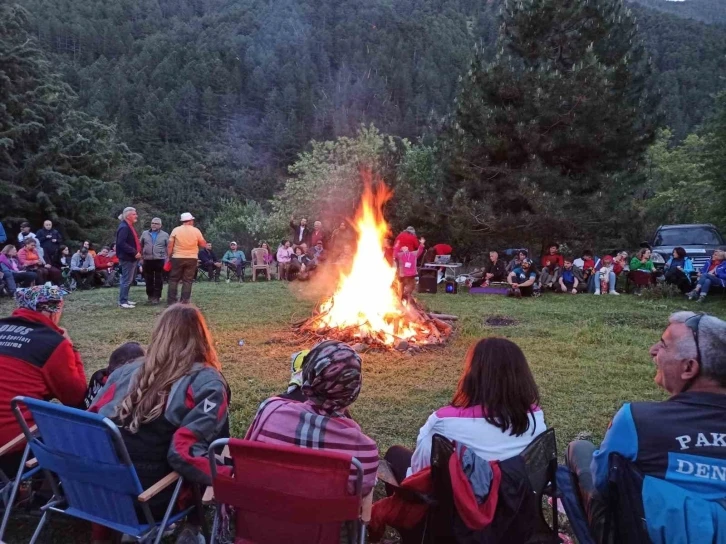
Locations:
{"points": [[331, 381]]}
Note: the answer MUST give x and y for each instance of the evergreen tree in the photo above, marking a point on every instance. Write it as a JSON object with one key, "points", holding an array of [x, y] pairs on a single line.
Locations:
{"points": [[55, 162], [537, 131]]}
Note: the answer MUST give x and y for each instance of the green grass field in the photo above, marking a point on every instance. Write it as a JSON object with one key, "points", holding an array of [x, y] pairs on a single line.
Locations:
{"points": [[588, 354]]}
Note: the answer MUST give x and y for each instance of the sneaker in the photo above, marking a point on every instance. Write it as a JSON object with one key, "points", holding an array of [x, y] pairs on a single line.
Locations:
{"points": [[132, 303], [597, 293], [613, 293], [126, 306], [702, 298], [693, 295]]}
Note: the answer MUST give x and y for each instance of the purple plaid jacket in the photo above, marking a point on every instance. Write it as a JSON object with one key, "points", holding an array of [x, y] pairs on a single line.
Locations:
{"points": [[288, 422]]}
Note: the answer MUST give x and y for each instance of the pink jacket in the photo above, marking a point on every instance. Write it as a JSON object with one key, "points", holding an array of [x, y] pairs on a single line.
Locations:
{"points": [[284, 255], [407, 262]]}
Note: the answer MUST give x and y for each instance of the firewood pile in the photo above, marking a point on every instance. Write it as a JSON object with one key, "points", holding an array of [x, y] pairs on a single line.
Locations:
{"points": [[411, 329]]}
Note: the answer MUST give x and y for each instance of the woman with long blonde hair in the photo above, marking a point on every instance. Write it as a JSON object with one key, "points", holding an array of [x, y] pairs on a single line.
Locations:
{"points": [[171, 404]]}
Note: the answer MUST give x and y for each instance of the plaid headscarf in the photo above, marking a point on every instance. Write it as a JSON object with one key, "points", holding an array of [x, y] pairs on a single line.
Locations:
{"points": [[332, 375], [46, 298]]}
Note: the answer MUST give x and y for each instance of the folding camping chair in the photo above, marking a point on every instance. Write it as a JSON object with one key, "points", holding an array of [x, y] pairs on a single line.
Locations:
{"points": [[232, 274], [202, 273], [9, 487], [530, 475], [91, 475], [288, 494]]}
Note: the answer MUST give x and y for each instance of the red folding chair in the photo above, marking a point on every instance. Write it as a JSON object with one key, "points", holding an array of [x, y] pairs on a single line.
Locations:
{"points": [[288, 494]]}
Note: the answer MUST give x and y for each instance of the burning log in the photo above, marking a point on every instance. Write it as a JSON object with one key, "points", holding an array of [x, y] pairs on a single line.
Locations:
{"points": [[366, 307]]}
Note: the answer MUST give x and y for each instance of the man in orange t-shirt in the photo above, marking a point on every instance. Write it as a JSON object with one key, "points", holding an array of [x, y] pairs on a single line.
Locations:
{"points": [[183, 249]]}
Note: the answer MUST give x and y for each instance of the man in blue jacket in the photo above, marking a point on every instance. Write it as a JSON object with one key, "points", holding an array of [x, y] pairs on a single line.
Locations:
{"points": [[679, 445], [128, 251]]}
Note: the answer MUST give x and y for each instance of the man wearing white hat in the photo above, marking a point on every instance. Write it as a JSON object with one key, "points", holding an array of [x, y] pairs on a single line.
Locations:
{"points": [[183, 248]]}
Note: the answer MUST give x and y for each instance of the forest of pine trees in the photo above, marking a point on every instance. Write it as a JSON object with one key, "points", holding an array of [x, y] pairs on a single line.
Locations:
{"points": [[193, 104]]}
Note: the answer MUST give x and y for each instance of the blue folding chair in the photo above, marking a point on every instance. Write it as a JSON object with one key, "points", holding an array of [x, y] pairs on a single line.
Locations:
{"points": [[9, 487], [91, 475]]}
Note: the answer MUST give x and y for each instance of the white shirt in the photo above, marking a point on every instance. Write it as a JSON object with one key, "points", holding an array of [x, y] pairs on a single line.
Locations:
{"points": [[468, 426]]}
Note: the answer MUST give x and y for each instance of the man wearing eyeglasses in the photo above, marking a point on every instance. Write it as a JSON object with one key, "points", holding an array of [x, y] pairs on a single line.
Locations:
{"points": [[679, 441], [154, 244]]}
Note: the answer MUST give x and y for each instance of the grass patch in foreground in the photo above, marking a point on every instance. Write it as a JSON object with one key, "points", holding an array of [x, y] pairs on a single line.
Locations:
{"points": [[588, 354]]}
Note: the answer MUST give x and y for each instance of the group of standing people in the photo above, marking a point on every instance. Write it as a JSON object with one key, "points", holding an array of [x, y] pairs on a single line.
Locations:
{"points": [[158, 251]]}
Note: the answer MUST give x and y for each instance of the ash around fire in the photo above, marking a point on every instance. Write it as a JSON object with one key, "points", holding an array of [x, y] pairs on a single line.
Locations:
{"points": [[500, 321]]}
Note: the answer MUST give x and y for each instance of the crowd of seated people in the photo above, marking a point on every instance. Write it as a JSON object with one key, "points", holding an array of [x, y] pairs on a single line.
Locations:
{"points": [[160, 399], [595, 275]]}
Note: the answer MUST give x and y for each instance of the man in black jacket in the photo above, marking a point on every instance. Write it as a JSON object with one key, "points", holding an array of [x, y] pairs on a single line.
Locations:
{"points": [[300, 232], [50, 241], [208, 261], [128, 251]]}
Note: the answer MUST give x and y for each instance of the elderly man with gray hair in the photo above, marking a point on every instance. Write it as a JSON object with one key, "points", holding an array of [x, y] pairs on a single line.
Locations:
{"points": [[154, 244], [128, 251], [678, 445]]}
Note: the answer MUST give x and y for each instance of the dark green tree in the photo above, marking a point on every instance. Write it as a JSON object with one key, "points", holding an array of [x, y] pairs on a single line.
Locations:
{"points": [[55, 162], [540, 130]]}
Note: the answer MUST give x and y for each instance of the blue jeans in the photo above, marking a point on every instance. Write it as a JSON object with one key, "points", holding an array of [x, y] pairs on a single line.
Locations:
{"points": [[128, 269], [706, 280]]}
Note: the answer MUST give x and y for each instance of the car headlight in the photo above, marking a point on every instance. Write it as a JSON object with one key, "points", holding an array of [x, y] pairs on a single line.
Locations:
{"points": [[657, 258]]}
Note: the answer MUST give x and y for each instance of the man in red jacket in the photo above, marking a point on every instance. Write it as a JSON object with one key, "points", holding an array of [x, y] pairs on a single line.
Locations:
{"points": [[37, 360]]}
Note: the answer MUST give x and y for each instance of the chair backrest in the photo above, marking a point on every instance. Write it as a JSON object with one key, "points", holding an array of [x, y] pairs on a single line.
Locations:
{"points": [[88, 455], [540, 460], [626, 516], [258, 256], [287, 493]]}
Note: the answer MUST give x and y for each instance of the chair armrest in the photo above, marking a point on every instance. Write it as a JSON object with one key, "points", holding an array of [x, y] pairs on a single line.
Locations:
{"points": [[159, 486], [366, 504], [32, 463], [12, 444], [208, 497]]}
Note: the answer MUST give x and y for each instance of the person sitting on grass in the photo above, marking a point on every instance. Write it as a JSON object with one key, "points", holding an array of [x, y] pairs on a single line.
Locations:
{"points": [[678, 270], [83, 269], [522, 280], [494, 413], [31, 261], [677, 444], [588, 264], [319, 253], [169, 406], [126, 353], [519, 257], [105, 267], [37, 360], [570, 278], [407, 270], [620, 263], [235, 258], [10, 267], [642, 270], [712, 273], [297, 268], [494, 271], [552, 262], [208, 262], [331, 381], [605, 278]]}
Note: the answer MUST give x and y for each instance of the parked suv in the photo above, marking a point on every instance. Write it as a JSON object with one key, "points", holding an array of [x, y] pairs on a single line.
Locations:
{"points": [[699, 241]]}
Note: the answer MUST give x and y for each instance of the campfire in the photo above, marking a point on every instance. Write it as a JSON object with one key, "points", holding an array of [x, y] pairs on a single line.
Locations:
{"points": [[366, 309]]}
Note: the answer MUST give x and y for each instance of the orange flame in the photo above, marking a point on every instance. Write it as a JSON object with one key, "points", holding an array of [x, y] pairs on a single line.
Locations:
{"points": [[366, 299]]}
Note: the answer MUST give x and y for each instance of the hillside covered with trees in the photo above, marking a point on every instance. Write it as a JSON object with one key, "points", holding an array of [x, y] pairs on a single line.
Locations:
{"points": [[205, 104]]}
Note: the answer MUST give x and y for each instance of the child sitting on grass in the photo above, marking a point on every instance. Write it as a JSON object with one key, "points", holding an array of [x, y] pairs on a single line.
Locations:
{"points": [[127, 353], [569, 280]]}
